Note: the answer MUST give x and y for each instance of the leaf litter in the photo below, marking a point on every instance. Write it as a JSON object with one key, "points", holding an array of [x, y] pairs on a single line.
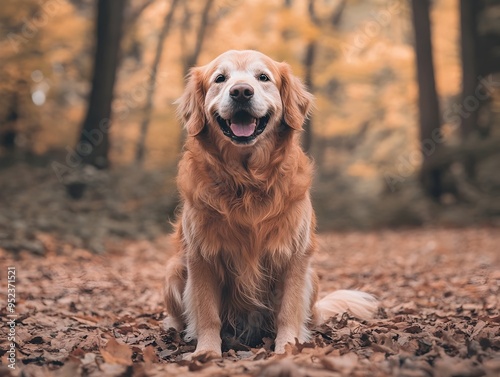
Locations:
{"points": [[82, 314]]}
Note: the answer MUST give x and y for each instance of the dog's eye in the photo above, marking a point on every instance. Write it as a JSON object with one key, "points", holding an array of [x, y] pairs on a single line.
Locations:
{"points": [[220, 78], [263, 77]]}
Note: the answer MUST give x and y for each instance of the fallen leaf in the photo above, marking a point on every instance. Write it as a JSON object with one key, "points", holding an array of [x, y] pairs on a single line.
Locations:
{"points": [[69, 369], [283, 368], [117, 353], [149, 355], [344, 364]]}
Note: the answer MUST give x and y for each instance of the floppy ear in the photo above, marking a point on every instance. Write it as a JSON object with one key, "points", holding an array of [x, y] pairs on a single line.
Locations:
{"points": [[190, 105], [297, 101]]}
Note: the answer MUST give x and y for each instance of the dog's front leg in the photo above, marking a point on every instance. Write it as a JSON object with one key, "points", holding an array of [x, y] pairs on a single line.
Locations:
{"points": [[202, 298], [294, 310]]}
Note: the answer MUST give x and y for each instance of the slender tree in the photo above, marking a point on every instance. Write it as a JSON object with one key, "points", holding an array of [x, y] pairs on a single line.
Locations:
{"points": [[191, 56], [201, 34], [307, 137], [134, 13], [428, 103], [334, 19], [94, 138], [469, 11], [148, 107]]}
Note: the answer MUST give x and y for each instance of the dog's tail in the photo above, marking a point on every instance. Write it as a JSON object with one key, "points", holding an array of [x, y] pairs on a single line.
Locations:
{"points": [[359, 304]]}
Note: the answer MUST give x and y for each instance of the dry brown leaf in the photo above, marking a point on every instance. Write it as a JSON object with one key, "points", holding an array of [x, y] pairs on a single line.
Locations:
{"points": [[344, 364], [437, 325], [70, 369], [454, 366], [381, 348], [115, 370], [149, 355], [116, 353], [260, 354], [197, 365], [85, 320], [283, 368]]}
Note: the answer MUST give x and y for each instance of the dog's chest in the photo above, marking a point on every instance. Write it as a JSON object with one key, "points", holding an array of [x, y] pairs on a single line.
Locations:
{"points": [[250, 297], [249, 225], [249, 239]]}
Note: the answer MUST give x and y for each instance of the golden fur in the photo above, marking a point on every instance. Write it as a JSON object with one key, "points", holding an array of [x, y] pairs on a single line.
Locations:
{"points": [[245, 235]]}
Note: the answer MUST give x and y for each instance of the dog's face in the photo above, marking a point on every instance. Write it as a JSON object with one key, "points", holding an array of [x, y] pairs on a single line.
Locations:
{"points": [[243, 96]]}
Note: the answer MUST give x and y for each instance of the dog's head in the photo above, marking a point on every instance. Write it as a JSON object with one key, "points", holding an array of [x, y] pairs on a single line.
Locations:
{"points": [[243, 95]]}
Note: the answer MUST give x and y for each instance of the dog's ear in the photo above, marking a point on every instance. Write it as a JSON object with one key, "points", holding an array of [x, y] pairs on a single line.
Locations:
{"points": [[297, 101], [191, 104]]}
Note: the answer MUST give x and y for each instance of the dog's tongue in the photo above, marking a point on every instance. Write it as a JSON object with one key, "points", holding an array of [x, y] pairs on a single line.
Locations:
{"points": [[243, 124], [243, 130]]}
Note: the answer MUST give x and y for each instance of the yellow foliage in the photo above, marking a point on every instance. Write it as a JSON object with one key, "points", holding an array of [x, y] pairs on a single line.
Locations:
{"points": [[362, 170], [362, 72]]}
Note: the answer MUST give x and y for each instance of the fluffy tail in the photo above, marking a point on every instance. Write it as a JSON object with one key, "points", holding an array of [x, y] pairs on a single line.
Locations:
{"points": [[359, 304]]}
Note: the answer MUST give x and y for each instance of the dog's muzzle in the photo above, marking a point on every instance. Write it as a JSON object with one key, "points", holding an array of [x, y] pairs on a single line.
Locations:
{"points": [[242, 127]]}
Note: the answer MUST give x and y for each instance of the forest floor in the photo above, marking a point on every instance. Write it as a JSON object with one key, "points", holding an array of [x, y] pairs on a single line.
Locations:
{"points": [[79, 313]]}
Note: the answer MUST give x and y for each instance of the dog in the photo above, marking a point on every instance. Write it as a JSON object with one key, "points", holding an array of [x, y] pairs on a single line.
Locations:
{"points": [[246, 230]]}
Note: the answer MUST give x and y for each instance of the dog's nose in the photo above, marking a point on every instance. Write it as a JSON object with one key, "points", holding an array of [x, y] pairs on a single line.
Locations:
{"points": [[241, 92]]}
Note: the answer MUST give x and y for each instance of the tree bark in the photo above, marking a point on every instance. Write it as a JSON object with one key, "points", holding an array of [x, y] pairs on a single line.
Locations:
{"points": [[307, 137], [185, 26], [337, 13], [133, 15], [192, 59], [469, 10], [148, 107], [309, 60], [94, 144], [469, 42], [428, 104]]}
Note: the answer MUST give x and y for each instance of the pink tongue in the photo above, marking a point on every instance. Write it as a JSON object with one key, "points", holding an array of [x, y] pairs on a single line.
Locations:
{"points": [[243, 130]]}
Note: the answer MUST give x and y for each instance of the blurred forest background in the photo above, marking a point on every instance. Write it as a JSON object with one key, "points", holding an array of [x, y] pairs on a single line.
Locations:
{"points": [[406, 130]]}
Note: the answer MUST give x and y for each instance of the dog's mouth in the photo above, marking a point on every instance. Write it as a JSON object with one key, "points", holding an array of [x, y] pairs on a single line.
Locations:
{"points": [[242, 127]]}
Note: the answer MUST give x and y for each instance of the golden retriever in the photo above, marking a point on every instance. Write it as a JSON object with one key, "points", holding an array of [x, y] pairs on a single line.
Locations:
{"points": [[245, 235]]}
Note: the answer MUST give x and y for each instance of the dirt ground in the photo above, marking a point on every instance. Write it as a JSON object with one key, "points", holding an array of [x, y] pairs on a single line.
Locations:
{"points": [[82, 314]]}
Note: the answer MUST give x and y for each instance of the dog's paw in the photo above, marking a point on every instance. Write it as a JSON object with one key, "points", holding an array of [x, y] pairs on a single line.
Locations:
{"points": [[282, 347], [284, 344], [203, 356], [170, 322]]}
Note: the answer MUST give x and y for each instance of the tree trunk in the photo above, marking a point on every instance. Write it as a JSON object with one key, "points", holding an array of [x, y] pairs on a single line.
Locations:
{"points": [[309, 60], [468, 25], [93, 145], [307, 137], [192, 59], [185, 27], [469, 10], [148, 107], [337, 13], [8, 128], [428, 104]]}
